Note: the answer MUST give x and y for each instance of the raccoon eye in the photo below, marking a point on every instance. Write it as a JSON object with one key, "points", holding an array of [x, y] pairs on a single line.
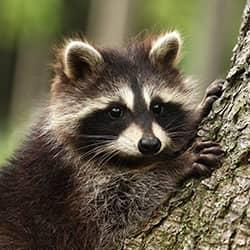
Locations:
{"points": [[157, 108], [116, 112]]}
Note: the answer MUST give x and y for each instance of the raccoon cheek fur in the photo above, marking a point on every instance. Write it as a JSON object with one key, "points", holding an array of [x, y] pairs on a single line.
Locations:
{"points": [[102, 156]]}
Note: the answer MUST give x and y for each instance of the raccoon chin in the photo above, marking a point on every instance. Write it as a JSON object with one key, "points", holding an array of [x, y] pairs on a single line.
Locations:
{"points": [[137, 161], [131, 162]]}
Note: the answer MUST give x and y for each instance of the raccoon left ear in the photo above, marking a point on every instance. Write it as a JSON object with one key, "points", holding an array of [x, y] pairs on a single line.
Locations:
{"points": [[165, 50], [80, 57]]}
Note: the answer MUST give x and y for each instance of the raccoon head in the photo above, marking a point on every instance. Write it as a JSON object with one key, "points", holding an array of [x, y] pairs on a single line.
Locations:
{"points": [[122, 103]]}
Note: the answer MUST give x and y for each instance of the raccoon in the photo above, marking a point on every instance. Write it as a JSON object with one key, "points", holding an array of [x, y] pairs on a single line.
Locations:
{"points": [[114, 140]]}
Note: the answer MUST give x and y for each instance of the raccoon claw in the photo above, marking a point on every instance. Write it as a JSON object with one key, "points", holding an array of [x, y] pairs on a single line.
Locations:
{"points": [[207, 157], [213, 92], [215, 88]]}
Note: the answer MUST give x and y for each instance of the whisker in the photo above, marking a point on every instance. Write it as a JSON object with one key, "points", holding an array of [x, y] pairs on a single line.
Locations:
{"points": [[180, 132], [92, 144], [95, 155], [98, 136], [176, 127], [94, 150], [171, 123], [107, 157]]}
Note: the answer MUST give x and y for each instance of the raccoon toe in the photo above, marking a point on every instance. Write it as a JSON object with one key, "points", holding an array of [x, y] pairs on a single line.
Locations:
{"points": [[215, 88], [207, 156], [199, 170], [209, 160], [214, 91]]}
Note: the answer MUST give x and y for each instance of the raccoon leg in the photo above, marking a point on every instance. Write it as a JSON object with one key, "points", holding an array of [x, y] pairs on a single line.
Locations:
{"points": [[197, 161], [213, 92], [205, 157]]}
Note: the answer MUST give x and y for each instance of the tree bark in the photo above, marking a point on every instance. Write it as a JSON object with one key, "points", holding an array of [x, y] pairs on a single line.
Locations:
{"points": [[213, 213]]}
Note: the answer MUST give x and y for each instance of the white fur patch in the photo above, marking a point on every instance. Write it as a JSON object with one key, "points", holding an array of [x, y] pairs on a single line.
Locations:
{"points": [[166, 94], [162, 45], [83, 51], [147, 95], [127, 96], [127, 142], [92, 105], [169, 95], [161, 135]]}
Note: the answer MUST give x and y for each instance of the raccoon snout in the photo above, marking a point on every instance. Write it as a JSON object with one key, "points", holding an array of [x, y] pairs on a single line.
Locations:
{"points": [[149, 145]]}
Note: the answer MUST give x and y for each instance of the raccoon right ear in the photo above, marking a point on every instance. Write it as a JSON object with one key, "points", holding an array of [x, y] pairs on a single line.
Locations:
{"points": [[165, 50], [80, 57]]}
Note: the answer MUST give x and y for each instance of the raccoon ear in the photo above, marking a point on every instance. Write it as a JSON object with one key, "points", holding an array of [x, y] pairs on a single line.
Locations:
{"points": [[80, 57], [165, 50]]}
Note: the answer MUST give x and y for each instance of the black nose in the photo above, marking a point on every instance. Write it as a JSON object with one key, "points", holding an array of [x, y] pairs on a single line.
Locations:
{"points": [[149, 145]]}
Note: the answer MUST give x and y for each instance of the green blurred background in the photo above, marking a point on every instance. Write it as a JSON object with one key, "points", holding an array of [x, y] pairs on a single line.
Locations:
{"points": [[29, 29]]}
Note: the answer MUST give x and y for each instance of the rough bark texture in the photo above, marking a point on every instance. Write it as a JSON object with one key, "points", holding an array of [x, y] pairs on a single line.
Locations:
{"points": [[213, 213]]}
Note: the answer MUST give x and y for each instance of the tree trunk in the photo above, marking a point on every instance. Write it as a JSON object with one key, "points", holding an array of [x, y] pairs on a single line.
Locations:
{"points": [[213, 213]]}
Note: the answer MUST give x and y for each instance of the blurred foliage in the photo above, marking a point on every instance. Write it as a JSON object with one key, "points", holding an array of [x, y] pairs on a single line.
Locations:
{"points": [[39, 18], [175, 14]]}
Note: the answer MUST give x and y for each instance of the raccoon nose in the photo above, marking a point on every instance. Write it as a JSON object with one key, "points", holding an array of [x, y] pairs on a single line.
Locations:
{"points": [[149, 145]]}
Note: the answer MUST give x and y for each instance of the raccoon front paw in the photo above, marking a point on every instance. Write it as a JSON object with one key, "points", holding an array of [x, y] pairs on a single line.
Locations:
{"points": [[213, 92], [206, 157]]}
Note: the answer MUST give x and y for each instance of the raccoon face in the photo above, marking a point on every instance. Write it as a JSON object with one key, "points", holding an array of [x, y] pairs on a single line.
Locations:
{"points": [[127, 103]]}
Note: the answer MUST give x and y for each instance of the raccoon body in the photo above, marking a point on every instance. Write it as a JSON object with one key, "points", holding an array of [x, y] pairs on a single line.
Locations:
{"points": [[112, 143]]}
